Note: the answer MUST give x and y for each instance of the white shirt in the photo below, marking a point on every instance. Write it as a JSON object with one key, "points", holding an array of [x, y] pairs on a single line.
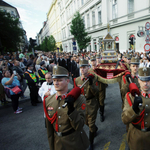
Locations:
{"points": [[44, 88]]}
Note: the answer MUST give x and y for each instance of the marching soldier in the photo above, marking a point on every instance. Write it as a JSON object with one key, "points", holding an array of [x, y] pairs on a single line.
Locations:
{"points": [[32, 82], [65, 125], [102, 90], [41, 72], [91, 93], [134, 65], [136, 114]]}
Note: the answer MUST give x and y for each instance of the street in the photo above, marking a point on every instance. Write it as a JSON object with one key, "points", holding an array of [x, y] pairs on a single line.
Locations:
{"points": [[26, 131]]}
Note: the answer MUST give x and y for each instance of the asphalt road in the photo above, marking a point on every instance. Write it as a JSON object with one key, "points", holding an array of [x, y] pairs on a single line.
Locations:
{"points": [[27, 131]]}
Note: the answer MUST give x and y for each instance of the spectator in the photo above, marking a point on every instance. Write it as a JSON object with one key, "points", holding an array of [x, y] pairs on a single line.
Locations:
{"points": [[10, 81]]}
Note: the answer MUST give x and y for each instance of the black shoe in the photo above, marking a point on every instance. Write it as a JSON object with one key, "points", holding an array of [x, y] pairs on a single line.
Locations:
{"points": [[34, 104], [91, 139], [38, 101], [102, 118], [91, 147]]}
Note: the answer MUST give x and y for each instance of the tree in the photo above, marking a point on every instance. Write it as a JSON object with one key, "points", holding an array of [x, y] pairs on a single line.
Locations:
{"points": [[11, 35], [61, 48], [78, 31], [48, 44]]}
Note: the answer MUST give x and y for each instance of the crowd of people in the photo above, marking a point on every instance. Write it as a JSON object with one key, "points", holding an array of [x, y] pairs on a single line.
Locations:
{"points": [[47, 75]]}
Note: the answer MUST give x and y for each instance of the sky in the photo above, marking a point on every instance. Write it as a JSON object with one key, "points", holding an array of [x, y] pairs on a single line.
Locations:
{"points": [[32, 14]]}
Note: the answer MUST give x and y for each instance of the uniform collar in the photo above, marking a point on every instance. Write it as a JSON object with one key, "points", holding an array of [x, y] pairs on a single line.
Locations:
{"points": [[62, 96], [83, 78], [144, 94], [49, 83], [134, 76]]}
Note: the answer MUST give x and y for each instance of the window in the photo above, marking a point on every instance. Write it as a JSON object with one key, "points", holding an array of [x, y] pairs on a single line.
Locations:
{"points": [[114, 9], [93, 18], [82, 2], [99, 15], [130, 6], [88, 20]]}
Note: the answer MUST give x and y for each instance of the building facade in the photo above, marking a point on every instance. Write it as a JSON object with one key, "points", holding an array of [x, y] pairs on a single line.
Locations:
{"points": [[124, 18]]}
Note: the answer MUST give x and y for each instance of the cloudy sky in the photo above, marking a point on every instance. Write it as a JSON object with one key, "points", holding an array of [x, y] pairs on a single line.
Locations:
{"points": [[32, 14]]}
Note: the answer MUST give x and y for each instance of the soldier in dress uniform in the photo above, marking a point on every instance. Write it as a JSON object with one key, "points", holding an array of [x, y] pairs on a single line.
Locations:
{"points": [[91, 93], [65, 125], [32, 82], [102, 90], [42, 71], [136, 113], [134, 65]]}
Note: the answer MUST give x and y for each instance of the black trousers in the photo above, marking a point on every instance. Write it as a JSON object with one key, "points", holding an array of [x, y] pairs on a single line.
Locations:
{"points": [[15, 101], [33, 94]]}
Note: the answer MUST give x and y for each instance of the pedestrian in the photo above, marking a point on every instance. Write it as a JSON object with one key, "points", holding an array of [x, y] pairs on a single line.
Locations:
{"points": [[136, 113], [91, 92], [65, 125], [10, 81]]}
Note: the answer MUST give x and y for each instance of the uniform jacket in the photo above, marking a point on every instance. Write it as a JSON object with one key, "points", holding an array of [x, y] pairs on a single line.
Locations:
{"points": [[41, 73], [44, 88], [137, 139], [29, 79], [78, 139]]}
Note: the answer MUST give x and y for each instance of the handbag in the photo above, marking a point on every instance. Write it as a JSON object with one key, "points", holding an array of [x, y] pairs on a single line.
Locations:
{"points": [[16, 90]]}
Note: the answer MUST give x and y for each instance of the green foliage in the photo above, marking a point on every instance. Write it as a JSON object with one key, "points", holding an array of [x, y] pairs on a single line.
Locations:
{"points": [[48, 44], [11, 35], [78, 31], [61, 48]]}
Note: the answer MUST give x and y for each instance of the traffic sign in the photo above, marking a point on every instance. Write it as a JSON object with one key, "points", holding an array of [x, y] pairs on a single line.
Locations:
{"points": [[147, 38], [147, 47], [147, 26]]}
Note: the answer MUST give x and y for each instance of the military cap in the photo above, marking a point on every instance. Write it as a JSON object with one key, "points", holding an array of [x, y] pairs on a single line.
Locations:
{"points": [[30, 64], [92, 58], [98, 56], [144, 73], [83, 62], [135, 60], [60, 72], [42, 63], [129, 56]]}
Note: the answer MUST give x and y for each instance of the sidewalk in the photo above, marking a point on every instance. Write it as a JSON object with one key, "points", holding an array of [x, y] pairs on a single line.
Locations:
{"points": [[27, 95]]}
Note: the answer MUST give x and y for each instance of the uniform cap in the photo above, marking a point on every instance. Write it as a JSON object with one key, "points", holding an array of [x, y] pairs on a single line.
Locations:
{"points": [[129, 56], [83, 62], [60, 72], [134, 60], [42, 63], [144, 74], [92, 58]]}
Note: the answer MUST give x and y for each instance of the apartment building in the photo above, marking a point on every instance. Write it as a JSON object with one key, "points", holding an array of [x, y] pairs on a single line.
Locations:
{"points": [[123, 18]]}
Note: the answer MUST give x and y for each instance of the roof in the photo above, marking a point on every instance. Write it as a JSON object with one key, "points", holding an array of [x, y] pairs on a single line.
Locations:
{"points": [[2, 3], [108, 37]]}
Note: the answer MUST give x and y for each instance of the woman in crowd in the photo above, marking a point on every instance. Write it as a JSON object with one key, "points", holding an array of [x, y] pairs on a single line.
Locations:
{"points": [[10, 81]]}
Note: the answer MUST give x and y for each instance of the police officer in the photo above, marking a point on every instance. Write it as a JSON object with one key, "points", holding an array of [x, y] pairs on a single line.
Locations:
{"points": [[65, 125], [136, 113], [32, 82], [42, 71], [91, 93], [102, 89]]}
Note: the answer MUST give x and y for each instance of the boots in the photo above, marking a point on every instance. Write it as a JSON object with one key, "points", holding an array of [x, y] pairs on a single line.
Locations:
{"points": [[102, 113], [91, 139]]}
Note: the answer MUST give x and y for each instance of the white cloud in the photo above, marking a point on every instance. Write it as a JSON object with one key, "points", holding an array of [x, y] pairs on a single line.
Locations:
{"points": [[32, 14]]}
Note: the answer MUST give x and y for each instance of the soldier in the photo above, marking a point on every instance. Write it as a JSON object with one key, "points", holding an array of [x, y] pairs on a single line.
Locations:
{"points": [[91, 93], [65, 125], [134, 65], [32, 82], [98, 59], [102, 90], [41, 72], [137, 116]]}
